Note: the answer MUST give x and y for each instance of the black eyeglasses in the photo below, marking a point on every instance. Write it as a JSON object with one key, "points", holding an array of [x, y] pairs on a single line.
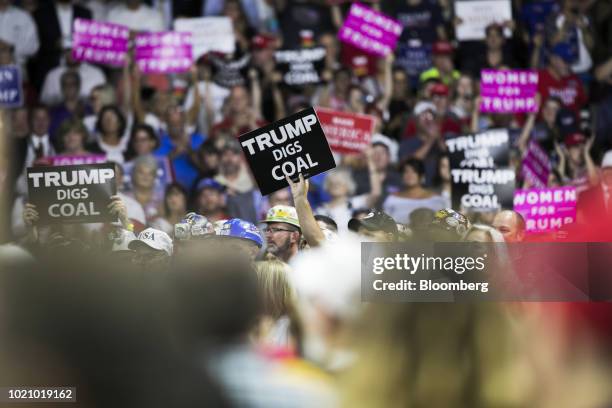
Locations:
{"points": [[275, 230]]}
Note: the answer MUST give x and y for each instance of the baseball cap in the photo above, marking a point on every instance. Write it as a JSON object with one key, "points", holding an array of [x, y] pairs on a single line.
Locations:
{"points": [[574, 139], [262, 41], [563, 51], [282, 213], [442, 48], [424, 106], [606, 162], [209, 183], [153, 238], [241, 229], [193, 226], [451, 220], [374, 221], [566, 121], [439, 89]]}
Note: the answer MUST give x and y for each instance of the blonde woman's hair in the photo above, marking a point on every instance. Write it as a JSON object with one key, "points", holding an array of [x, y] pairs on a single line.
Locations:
{"points": [[278, 296]]}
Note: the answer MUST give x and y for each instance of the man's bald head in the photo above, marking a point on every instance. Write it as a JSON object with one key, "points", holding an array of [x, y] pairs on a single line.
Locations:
{"points": [[511, 225]]}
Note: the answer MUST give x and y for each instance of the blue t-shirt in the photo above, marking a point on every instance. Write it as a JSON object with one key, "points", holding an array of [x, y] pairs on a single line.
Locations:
{"points": [[184, 170]]}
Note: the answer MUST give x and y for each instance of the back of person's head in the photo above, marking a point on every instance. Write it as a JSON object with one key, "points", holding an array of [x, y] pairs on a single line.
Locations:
{"points": [[273, 283], [215, 297]]}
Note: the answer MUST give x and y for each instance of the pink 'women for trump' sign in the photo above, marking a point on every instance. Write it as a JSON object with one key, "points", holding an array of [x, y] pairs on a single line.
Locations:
{"points": [[100, 43], [508, 91], [163, 52], [546, 209], [370, 31]]}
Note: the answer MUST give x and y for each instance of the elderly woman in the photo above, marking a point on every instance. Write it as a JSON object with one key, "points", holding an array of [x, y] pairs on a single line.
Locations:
{"points": [[143, 181], [339, 184], [414, 195]]}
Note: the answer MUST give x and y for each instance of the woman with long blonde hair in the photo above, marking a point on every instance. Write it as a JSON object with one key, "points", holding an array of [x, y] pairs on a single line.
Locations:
{"points": [[279, 326]]}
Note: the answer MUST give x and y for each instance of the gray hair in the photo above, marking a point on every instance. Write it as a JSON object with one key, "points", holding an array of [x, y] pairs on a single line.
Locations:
{"points": [[146, 161], [343, 175]]}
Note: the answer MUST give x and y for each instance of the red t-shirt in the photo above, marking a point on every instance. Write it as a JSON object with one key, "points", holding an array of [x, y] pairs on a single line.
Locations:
{"points": [[568, 89]]}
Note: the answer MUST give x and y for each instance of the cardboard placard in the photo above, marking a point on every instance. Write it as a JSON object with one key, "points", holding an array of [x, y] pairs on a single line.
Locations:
{"points": [[508, 91], [536, 165], [346, 132], [546, 209], [229, 73], [208, 34], [301, 67], [164, 52], [370, 30], [11, 93], [100, 42], [72, 194], [481, 176], [476, 15], [291, 146]]}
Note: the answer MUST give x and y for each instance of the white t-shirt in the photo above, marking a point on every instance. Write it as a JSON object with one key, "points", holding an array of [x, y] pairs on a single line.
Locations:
{"points": [[144, 18], [399, 208], [342, 215], [64, 15], [18, 29], [218, 94], [91, 76]]}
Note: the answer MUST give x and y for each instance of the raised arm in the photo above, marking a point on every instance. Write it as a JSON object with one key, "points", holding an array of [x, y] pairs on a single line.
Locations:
{"points": [[256, 96], [308, 224], [387, 85], [590, 164], [194, 110], [376, 182], [137, 108]]}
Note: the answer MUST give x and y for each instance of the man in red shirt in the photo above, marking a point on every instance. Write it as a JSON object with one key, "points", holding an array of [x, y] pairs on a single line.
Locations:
{"points": [[557, 80]]}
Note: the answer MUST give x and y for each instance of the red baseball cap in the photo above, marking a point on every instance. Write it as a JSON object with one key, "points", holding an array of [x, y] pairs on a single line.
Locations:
{"points": [[439, 89], [442, 48], [574, 139], [262, 41]]}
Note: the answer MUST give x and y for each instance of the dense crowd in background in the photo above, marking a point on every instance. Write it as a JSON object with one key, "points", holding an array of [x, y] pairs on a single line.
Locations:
{"points": [[254, 300]]}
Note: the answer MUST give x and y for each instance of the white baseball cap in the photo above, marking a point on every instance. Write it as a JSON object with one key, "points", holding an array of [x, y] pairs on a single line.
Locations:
{"points": [[607, 159], [424, 106], [153, 238]]}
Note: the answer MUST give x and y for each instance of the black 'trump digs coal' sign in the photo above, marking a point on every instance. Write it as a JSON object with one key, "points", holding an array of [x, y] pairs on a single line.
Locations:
{"points": [[69, 194], [481, 175], [300, 67], [293, 145]]}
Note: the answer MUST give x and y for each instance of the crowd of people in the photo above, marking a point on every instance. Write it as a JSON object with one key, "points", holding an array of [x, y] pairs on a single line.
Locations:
{"points": [[256, 298]]}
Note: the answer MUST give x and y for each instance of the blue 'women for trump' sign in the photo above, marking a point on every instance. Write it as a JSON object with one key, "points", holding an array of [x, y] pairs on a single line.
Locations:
{"points": [[11, 95]]}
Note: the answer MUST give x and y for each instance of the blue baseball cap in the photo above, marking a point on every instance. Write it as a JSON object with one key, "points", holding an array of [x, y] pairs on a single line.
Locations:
{"points": [[563, 50], [237, 228], [209, 183]]}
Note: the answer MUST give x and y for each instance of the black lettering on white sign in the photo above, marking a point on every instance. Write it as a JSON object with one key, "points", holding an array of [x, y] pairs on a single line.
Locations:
{"points": [[72, 194], [481, 175], [292, 146]]}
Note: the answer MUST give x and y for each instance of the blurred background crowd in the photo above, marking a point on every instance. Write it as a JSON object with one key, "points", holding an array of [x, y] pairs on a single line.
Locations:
{"points": [[206, 292]]}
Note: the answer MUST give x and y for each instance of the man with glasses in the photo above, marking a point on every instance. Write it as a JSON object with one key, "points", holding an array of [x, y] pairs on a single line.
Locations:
{"points": [[282, 232], [153, 249]]}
